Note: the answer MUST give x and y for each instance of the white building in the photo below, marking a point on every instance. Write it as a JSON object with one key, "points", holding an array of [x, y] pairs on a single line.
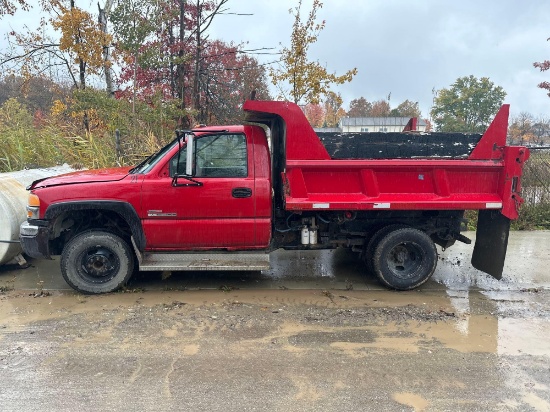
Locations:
{"points": [[377, 124]]}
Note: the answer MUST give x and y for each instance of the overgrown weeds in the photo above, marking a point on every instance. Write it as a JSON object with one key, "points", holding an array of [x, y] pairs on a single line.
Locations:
{"points": [[535, 212], [81, 132], [533, 217]]}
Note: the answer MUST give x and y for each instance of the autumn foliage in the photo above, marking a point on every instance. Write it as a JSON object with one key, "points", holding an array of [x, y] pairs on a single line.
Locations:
{"points": [[315, 114], [81, 37], [168, 73], [543, 66], [299, 79]]}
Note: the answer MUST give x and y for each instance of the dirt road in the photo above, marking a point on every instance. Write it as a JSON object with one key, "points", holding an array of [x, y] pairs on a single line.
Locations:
{"points": [[313, 337]]}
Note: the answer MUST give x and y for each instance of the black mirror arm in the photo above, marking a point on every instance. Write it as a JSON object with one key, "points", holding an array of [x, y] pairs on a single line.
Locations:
{"points": [[193, 181]]}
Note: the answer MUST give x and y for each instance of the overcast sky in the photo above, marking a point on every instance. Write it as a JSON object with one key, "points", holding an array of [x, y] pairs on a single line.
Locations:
{"points": [[408, 48]]}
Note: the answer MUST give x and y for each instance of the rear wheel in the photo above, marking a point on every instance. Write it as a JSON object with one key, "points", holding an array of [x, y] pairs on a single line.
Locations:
{"points": [[368, 254], [405, 258], [97, 262]]}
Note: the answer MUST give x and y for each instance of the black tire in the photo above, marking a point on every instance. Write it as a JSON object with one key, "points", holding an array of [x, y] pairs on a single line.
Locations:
{"points": [[368, 254], [405, 258], [97, 262]]}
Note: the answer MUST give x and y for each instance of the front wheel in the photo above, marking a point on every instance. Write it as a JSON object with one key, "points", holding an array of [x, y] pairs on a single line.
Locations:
{"points": [[97, 262], [405, 258]]}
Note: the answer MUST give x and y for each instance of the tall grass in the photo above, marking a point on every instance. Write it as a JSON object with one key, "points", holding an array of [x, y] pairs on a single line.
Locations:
{"points": [[43, 140], [26, 144]]}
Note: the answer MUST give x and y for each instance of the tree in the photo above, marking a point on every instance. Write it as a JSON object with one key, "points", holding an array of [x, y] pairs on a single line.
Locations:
{"points": [[81, 38], [468, 105], [307, 80], [205, 13], [226, 80], [133, 22], [541, 131], [525, 129], [429, 127], [35, 93], [360, 107], [406, 109], [9, 7], [543, 66], [333, 109], [102, 19], [168, 55], [253, 77], [521, 129], [380, 108], [78, 49], [315, 114]]}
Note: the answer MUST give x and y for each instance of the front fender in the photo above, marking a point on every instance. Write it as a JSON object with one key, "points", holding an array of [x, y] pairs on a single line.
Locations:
{"points": [[123, 209]]}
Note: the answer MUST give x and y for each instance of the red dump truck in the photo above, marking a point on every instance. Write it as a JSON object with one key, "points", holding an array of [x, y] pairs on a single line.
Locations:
{"points": [[224, 197]]}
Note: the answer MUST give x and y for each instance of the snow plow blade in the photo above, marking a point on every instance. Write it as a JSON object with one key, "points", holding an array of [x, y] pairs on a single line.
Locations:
{"points": [[491, 242]]}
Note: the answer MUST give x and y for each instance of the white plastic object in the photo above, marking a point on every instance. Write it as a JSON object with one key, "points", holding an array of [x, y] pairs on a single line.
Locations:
{"points": [[305, 236], [13, 200], [313, 236], [13, 203]]}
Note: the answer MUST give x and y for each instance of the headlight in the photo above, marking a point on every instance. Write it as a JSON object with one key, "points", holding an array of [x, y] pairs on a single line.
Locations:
{"points": [[33, 207]]}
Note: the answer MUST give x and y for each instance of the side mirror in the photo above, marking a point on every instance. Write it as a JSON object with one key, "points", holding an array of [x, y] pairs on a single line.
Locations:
{"points": [[188, 176], [190, 158]]}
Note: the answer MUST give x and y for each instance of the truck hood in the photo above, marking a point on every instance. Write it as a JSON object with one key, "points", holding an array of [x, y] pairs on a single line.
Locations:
{"points": [[83, 176]]}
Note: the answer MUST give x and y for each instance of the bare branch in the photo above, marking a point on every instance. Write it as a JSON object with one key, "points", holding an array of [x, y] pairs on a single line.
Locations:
{"points": [[29, 53]]}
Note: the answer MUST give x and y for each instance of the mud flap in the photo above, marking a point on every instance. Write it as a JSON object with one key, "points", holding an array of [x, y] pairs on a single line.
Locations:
{"points": [[491, 242]]}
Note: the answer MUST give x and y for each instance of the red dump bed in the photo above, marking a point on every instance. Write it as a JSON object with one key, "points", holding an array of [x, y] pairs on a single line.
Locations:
{"points": [[488, 178]]}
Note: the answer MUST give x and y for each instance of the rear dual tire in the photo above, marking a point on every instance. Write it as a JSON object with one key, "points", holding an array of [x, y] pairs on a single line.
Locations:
{"points": [[403, 258], [375, 240]]}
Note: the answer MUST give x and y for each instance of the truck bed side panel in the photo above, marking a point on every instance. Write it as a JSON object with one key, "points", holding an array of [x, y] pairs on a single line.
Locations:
{"points": [[393, 184], [476, 174]]}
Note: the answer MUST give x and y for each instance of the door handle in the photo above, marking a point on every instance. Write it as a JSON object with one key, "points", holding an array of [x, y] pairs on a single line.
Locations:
{"points": [[241, 192]]}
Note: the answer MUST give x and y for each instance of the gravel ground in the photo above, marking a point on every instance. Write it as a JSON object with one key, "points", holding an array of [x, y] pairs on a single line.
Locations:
{"points": [[275, 350]]}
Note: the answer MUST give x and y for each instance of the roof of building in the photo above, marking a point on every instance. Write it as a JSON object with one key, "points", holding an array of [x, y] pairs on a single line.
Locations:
{"points": [[328, 129], [377, 121]]}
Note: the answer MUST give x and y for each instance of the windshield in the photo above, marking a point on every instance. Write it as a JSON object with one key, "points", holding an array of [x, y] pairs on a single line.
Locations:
{"points": [[152, 160]]}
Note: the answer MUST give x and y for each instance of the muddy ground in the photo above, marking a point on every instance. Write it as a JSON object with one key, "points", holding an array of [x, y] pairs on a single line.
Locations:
{"points": [[315, 336]]}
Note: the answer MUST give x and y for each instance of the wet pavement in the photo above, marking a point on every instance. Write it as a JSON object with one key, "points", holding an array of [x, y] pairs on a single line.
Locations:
{"points": [[527, 266], [312, 334]]}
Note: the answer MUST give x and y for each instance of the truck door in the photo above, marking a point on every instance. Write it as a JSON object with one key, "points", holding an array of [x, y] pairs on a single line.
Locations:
{"points": [[215, 211]]}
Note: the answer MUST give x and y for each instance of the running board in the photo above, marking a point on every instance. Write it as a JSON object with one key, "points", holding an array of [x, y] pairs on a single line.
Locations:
{"points": [[204, 261]]}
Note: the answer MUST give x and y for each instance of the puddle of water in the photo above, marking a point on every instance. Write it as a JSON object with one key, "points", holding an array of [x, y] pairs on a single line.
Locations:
{"points": [[524, 337], [536, 402], [474, 324], [417, 402], [325, 263], [526, 265]]}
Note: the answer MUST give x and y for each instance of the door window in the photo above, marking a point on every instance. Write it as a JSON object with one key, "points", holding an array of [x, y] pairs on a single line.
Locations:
{"points": [[219, 155]]}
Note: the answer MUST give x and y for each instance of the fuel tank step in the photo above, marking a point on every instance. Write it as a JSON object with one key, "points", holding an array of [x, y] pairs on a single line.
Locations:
{"points": [[204, 261]]}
